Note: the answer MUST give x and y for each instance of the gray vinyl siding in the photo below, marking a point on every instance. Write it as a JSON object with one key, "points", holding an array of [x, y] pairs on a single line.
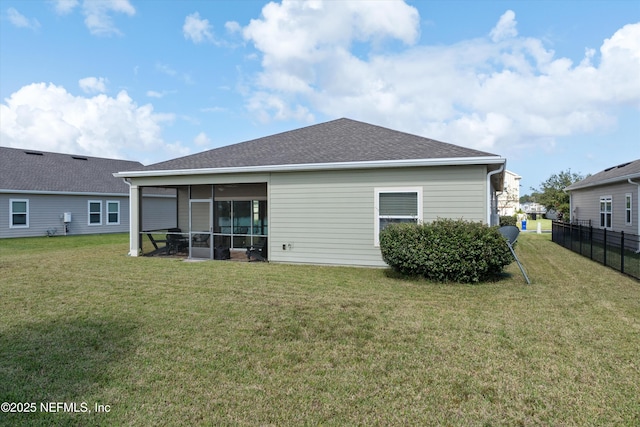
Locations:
{"points": [[329, 217], [46, 212], [585, 205]]}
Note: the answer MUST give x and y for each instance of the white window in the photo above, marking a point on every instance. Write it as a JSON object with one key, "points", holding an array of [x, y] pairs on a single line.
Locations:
{"points": [[605, 211], [19, 213], [113, 212], [628, 212], [95, 212], [393, 205]]}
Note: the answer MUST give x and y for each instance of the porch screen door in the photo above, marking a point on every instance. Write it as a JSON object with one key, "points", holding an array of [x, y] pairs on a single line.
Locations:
{"points": [[200, 229]]}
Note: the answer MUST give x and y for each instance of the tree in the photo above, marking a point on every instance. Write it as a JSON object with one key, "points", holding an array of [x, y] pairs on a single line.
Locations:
{"points": [[551, 193]]}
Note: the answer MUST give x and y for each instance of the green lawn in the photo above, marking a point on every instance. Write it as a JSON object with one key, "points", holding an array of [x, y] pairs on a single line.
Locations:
{"points": [[166, 342]]}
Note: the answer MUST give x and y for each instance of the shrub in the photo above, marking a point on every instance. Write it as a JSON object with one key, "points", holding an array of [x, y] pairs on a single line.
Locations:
{"points": [[445, 250], [508, 220]]}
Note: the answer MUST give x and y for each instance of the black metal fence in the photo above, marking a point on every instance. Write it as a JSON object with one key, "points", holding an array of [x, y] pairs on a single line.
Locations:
{"points": [[615, 249]]}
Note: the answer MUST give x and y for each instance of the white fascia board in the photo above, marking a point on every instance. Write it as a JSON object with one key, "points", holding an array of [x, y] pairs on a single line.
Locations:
{"points": [[454, 161], [63, 193]]}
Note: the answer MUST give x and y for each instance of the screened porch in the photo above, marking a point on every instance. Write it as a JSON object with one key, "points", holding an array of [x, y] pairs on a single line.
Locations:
{"points": [[210, 221]]}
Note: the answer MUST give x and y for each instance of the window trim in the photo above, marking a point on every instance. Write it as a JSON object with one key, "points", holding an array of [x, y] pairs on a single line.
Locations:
{"points": [[117, 203], [12, 213], [606, 200], [628, 209], [89, 213], [376, 207]]}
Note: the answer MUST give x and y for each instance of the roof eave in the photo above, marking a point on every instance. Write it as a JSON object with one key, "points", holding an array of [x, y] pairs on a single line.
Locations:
{"points": [[307, 167], [624, 178]]}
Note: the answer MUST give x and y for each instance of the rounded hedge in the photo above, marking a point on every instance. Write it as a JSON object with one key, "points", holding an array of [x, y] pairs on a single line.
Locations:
{"points": [[445, 250]]}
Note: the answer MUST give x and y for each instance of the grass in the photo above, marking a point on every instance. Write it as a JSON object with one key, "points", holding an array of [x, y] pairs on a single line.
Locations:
{"points": [[165, 342]]}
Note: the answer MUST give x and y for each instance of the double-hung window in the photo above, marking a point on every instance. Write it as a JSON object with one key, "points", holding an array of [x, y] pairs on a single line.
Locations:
{"points": [[605, 211], [19, 213], [95, 212], [113, 212], [393, 205]]}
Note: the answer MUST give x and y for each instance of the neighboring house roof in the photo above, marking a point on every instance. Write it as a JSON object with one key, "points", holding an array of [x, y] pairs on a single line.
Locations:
{"points": [[341, 141], [42, 172], [621, 172]]}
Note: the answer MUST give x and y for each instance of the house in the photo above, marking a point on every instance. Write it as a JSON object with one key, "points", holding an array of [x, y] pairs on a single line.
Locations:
{"points": [[319, 194], [509, 197], [44, 193], [610, 199]]}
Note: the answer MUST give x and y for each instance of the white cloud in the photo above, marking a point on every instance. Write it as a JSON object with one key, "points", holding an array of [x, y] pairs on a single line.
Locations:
{"points": [[488, 93], [506, 27], [202, 140], [97, 13], [49, 118], [21, 21], [64, 7], [197, 29], [93, 84]]}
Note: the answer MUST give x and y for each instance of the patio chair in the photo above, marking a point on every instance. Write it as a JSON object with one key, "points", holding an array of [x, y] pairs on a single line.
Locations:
{"points": [[258, 252], [201, 240], [176, 242]]}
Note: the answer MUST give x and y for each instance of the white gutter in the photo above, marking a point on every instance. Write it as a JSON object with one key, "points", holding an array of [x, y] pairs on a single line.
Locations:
{"points": [[489, 175], [637, 205], [486, 160]]}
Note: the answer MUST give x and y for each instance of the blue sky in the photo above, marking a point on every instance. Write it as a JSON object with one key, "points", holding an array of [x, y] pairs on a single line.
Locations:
{"points": [[550, 85]]}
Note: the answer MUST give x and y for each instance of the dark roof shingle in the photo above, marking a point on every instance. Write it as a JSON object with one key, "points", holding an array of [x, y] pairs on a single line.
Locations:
{"points": [[336, 141], [621, 172], [33, 170]]}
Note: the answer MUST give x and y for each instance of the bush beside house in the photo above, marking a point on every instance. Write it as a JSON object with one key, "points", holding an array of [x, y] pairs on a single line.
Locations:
{"points": [[445, 250]]}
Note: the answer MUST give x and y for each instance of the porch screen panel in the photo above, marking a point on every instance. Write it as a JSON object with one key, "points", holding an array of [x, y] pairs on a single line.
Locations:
{"points": [[200, 217]]}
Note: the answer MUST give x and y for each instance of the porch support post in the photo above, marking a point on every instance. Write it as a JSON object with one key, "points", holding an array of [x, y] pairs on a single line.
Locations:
{"points": [[134, 220]]}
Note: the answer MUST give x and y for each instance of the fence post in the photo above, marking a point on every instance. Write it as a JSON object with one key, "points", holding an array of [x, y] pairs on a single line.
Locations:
{"points": [[622, 251], [580, 237], [590, 242], [604, 260]]}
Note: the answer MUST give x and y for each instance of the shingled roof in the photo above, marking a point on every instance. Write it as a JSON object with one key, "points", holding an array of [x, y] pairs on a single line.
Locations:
{"points": [[337, 141], [41, 171], [621, 172]]}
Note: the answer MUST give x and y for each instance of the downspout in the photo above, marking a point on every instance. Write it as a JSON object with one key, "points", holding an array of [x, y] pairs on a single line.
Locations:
{"points": [[489, 175], [637, 207]]}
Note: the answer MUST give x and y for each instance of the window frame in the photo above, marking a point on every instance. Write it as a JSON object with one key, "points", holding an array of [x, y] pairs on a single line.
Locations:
{"points": [[628, 209], [606, 200], [12, 213], [89, 213], [377, 217], [117, 203]]}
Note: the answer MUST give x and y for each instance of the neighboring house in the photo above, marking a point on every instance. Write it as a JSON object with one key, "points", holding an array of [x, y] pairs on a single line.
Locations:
{"points": [[509, 198], [320, 194], [43, 193], [609, 199]]}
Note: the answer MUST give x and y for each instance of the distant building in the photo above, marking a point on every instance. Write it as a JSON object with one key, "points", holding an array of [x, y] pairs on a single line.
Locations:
{"points": [[509, 199], [610, 199], [44, 193]]}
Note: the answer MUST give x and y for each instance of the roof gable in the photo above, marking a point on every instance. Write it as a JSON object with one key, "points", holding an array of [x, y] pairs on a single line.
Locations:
{"points": [[32, 170], [338, 141], [621, 172]]}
